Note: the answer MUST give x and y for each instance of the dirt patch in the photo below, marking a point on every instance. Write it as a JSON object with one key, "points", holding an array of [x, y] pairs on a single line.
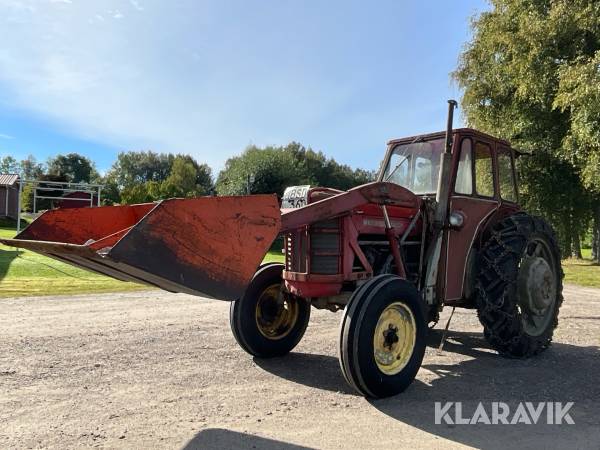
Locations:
{"points": [[158, 370]]}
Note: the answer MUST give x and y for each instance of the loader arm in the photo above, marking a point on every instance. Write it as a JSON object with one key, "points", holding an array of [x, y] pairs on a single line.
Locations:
{"points": [[380, 193]]}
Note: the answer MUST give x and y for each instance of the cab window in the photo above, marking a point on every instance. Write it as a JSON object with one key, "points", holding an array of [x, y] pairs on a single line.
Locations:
{"points": [[484, 170], [506, 178], [464, 172], [415, 165]]}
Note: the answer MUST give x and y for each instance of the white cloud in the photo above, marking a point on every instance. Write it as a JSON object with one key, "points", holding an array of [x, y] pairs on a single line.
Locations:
{"points": [[136, 5], [6, 136], [182, 79]]}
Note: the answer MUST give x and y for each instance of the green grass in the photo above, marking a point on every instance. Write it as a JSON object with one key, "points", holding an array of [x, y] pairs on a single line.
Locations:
{"points": [[582, 271], [25, 273], [274, 256]]}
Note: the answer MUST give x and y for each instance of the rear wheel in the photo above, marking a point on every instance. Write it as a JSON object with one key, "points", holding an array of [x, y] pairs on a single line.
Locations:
{"points": [[519, 286], [383, 334], [266, 321]]}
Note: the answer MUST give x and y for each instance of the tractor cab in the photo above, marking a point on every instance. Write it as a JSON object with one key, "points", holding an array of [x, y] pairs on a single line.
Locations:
{"points": [[481, 187], [483, 166]]}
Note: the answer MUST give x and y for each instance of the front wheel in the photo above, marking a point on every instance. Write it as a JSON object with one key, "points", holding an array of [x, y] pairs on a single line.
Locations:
{"points": [[383, 335], [266, 321]]}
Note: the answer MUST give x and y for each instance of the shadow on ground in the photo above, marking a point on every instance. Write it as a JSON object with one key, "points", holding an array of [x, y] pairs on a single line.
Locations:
{"points": [[318, 371], [216, 438], [6, 258], [563, 373]]}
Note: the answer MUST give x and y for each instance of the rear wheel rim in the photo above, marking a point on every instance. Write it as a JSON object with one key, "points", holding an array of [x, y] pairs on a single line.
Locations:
{"points": [[394, 338], [537, 287], [275, 315]]}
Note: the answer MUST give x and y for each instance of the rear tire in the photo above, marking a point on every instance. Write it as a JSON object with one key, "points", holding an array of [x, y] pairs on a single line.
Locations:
{"points": [[267, 322], [519, 286], [383, 335]]}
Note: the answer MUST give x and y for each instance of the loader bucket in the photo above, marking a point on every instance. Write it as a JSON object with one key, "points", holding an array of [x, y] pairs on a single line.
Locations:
{"points": [[206, 246]]}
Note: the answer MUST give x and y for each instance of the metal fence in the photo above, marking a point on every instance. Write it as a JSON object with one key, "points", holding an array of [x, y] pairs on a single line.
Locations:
{"points": [[56, 190]]}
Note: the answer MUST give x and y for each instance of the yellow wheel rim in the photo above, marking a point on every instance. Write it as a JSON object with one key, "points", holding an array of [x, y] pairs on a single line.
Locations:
{"points": [[276, 315], [394, 338]]}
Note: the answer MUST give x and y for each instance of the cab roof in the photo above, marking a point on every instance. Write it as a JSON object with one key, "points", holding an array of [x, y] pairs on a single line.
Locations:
{"points": [[442, 134]]}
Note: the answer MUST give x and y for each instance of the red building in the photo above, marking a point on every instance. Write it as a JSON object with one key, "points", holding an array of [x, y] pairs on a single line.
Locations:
{"points": [[9, 195]]}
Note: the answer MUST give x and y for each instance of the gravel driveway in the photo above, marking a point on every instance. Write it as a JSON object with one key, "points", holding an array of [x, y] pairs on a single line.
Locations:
{"points": [[159, 370]]}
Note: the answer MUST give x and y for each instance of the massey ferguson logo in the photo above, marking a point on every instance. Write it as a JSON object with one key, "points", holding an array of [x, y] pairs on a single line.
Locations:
{"points": [[495, 413]]}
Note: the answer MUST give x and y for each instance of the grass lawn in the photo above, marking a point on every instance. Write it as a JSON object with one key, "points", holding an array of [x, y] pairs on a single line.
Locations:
{"points": [[582, 271], [24, 273]]}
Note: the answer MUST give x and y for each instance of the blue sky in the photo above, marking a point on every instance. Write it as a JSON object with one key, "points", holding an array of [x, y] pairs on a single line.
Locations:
{"points": [[210, 77]]}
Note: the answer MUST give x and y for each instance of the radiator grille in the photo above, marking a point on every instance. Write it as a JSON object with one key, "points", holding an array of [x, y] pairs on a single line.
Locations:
{"points": [[325, 248]]}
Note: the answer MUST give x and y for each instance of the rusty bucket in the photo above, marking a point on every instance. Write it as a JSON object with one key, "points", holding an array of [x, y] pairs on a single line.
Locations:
{"points": [[206, 246]]}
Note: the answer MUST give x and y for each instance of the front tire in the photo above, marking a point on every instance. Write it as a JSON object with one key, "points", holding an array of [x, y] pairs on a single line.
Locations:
{"points": [[266, 321], [383, 335], [519, 286]]}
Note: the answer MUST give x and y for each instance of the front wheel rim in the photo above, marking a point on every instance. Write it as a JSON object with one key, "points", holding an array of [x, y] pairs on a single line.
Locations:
{"points": [[275, 314], [394, 338]]}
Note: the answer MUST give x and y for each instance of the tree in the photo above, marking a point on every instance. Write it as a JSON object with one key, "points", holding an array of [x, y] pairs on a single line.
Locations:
{"points": [[111, 192], [138, 177], [269, 170], [186, 179], [141, 193], [524, 77], [8, 164], [203, 181], [74, 167], [140, 167], [272, 169], [31, 169]]}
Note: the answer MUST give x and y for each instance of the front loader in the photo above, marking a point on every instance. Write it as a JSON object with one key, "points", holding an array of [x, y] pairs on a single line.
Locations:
{"points": [[441, 226]]}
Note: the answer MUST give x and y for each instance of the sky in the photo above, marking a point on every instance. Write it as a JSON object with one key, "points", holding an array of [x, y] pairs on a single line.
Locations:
{"points": [[209, 78]]}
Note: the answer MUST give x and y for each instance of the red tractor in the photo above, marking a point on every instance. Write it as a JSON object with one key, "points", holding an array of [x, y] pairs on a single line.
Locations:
{"points": [[441, 226]]}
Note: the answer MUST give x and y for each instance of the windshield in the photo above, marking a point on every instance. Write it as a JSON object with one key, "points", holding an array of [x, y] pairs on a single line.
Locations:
{"points": [[415, 166]]}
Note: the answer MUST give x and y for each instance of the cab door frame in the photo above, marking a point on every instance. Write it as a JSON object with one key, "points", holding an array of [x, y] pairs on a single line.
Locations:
{"points": [[476, 210]]}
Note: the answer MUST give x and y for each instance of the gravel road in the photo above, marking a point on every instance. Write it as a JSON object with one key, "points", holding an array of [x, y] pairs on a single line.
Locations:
{"points": [[159, 370]]}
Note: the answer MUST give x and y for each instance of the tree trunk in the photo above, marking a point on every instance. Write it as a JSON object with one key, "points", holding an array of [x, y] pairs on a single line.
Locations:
{"points": [[596, 234], [566, 244], [576, 245]]}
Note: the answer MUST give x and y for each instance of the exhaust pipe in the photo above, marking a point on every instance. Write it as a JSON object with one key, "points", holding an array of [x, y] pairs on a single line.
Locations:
{"points": [[443, 187], [441, 213]]}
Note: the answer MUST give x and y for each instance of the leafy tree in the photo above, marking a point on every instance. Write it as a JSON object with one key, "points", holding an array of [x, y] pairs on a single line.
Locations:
{"points": [[27, 198], [138, 177], [140, 167], [265, 170], [272, 169], [111, 192], [187, 179], [140, 193], [31, 169], [524, 77], [74, 167], [8, 164]]}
